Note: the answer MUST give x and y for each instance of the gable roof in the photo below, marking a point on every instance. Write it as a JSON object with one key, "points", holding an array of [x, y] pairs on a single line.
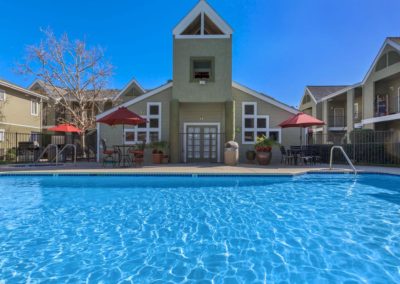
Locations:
{"points": [[200, 9], [13, 86], [137, 99], [265, 98], [391, 41], [320, 92], [394, 39], [238, 86], [53, 92], [132, 83]]}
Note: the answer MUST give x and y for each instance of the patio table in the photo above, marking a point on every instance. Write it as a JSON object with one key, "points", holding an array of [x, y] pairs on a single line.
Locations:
{"points": [[295, 152], [123, 155]]}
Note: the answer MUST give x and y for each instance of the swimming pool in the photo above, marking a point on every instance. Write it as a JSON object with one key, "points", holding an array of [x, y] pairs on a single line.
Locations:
{"points": [[311, 228]]}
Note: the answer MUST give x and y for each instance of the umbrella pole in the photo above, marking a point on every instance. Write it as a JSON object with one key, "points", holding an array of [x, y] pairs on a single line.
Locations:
{"points": [[301, 136]]}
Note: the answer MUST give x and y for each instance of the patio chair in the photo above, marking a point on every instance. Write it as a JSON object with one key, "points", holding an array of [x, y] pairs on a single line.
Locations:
{"points": [[137, 153], [316, 155], [109, 156], [286, 157], [306, 155]]}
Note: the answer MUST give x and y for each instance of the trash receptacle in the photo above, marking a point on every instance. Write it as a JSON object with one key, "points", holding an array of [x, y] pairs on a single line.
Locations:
{"points": [[231, 154]]}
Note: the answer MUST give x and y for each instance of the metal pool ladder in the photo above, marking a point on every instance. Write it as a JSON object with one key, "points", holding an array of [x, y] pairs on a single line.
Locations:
{"points": [[73, 146], [48, 147], [345, 155]]}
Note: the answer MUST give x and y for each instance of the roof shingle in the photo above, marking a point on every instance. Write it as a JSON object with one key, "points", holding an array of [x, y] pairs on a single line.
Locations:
{"points": [[320, 92]]}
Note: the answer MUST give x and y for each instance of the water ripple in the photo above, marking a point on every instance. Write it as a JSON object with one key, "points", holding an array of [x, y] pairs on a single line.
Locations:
{"points": [[313, 228]]}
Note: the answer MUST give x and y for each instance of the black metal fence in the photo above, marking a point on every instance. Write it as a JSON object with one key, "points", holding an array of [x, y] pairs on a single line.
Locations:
{"points": [[362, 146], [28, 147]]}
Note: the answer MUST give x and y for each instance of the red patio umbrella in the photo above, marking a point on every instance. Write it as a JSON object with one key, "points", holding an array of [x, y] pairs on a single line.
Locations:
{"points": [[65, 127], [301, 120], [122, 116]]}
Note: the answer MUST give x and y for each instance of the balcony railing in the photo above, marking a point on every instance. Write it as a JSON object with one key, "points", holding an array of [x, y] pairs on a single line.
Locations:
{"points": [[337, 121]]}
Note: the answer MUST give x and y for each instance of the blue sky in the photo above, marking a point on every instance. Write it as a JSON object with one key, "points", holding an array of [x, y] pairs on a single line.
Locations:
{"points": [[278, 46]]}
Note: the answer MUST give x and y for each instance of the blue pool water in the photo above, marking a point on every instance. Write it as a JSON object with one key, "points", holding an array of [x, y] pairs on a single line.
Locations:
{"points": [[304, 229]]}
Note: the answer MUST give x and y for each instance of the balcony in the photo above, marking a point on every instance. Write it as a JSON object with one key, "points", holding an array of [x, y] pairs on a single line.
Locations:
{"points": [[337, 122]]}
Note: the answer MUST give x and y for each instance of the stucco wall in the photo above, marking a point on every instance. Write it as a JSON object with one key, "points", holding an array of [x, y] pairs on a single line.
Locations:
{"points": [[17, 110], [217, 91], [290, 136], [113, 134], [369, 87]]}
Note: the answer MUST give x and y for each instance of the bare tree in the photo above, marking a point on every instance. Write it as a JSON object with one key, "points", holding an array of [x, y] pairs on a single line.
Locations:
{"points": [[76, 74]]}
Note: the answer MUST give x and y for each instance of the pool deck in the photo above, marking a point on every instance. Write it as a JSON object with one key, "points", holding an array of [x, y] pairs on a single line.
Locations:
{"points": [[213, 169]]}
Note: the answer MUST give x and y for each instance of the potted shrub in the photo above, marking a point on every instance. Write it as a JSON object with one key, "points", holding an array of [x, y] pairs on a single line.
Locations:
{"points": [[250, 156], [263, 148], [158, 151]]}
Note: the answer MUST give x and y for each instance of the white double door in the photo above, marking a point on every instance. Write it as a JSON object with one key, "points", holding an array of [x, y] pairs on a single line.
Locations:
{"points": [[201, 143]]}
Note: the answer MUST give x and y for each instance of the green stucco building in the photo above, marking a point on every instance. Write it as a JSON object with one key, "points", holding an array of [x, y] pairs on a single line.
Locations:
{"points": [[202, 107]]}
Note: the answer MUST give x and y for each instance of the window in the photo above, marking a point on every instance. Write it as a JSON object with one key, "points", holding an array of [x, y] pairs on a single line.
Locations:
{"points": [[356, 111], [306, 99], [393, 57], [398, 99], [2, 95], [202, 69], [276, 134], [387, 59], [34, 107], [149, 132], [2, 134], [210, 28], [382, 63], [253, 125]]}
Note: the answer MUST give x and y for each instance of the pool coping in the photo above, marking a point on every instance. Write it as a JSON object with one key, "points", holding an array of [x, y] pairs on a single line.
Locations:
{"points": [[189, 174]]}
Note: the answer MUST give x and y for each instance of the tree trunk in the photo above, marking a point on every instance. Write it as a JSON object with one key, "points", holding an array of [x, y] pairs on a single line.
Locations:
{"points": [[83, 140]]}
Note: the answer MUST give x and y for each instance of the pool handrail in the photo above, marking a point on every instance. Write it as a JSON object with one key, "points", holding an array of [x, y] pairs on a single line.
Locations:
{"points": [[345, 155], [48, 147], [65, 147]]}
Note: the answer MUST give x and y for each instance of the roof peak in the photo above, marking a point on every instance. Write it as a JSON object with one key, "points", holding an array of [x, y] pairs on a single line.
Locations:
{"points": [[202, 21]]}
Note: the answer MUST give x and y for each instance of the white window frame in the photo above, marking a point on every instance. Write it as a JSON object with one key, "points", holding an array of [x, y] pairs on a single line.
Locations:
{"points": [[254, 129], [356, 111], [34, 103], [2, 135], [3, 95], [146, 129], [398, 99], [279, 130], [335, 115]]}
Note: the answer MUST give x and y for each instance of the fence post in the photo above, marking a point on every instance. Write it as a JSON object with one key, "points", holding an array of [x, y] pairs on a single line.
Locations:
{"points": [[16, 147]]}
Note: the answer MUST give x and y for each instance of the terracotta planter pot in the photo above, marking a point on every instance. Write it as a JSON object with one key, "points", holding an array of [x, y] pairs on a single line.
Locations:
{"points": [[264, 158], [157, 158]]}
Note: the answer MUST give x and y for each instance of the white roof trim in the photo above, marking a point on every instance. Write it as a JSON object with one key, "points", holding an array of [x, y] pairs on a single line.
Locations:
{"points": [[21, 89], [202, 7], [381, 118], [344, 90], [387, 42], [264, 98], [133, 81], [202, 36], [135, 100], [307, 90]]}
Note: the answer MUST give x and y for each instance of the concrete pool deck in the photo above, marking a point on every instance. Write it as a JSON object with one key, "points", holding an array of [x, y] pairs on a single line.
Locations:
{"points": [[214, 169]]}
